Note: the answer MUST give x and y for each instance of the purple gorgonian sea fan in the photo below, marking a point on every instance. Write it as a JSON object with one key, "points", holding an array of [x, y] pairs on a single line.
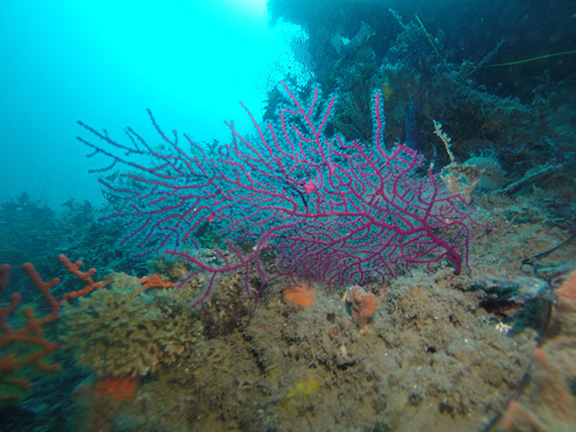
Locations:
{"points": [[324, 209]]}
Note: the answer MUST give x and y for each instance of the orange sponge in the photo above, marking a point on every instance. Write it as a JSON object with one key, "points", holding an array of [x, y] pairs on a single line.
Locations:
{"points": [[363, 306], [300, 295], [117, 387], [567, 294]]}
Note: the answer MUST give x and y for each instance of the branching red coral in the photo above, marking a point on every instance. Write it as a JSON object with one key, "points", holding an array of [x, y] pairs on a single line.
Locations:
{"points": [[152, 282], [31, 336]]}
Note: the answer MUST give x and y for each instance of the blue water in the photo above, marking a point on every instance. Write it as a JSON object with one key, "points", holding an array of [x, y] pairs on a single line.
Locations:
{"points": [[105, 62]]}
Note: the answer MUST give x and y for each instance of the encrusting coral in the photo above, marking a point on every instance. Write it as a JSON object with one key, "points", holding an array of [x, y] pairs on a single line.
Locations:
{"points": [[121, 331]]}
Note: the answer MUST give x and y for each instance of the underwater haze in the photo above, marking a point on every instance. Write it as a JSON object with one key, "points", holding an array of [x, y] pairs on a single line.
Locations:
{"points": [[105, 62]]}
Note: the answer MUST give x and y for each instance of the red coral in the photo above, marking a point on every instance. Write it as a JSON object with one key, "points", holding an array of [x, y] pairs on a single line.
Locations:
{"points": [[31, 334], [152, 282]]}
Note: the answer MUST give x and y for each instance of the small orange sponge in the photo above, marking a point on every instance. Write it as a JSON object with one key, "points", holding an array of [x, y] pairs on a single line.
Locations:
{"points": [[117, 387], [567, 294], [363, 306], [300, 295]]}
